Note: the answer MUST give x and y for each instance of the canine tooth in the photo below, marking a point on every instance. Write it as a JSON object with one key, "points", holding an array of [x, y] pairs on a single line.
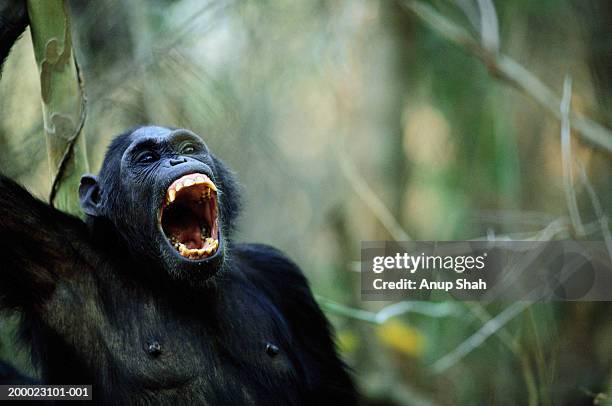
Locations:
{"points": [[178, 186], [171, 195], [189, 182], [211, 185]]}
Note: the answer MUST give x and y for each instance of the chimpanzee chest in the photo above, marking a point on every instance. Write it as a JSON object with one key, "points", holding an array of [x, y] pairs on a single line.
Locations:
{"points": [[234, 351]]}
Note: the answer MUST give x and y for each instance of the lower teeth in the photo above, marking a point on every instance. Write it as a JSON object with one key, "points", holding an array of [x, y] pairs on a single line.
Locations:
{"points": [[210, 246]]}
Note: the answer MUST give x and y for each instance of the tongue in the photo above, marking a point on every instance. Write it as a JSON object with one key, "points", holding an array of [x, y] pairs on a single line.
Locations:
{"points": [[191, 238], [186, 230]]}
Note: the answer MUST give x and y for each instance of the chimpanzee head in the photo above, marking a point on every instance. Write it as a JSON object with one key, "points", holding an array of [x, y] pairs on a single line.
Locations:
{"points": [[171, 201]]}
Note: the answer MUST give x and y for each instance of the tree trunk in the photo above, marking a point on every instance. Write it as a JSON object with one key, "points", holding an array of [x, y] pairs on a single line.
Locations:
{"points": [[63, 101]]}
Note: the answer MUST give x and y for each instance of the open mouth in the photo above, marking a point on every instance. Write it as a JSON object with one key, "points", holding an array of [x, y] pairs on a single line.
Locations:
{"points": [[189, 216]]}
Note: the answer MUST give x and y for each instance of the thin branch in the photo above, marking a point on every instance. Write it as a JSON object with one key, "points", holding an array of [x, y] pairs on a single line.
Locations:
{"points": [[530, 381], [510, 71], [437, 310], [603, 218], [566, 156], [522, 217], [542, 367], [346, 311], [489, 26], [481, 313], [476, 339], [365, 192], [556, 228]]}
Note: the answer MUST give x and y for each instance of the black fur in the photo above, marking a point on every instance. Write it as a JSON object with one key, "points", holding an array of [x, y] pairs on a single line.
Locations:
{"points": [[13, 22], [104, 304]]}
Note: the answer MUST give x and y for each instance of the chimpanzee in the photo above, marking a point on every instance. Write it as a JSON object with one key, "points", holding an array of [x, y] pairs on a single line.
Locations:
{"points": [[149, 300]]}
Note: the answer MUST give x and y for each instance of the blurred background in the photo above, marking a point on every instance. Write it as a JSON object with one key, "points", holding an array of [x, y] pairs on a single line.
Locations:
{"points": [[355, 120]]}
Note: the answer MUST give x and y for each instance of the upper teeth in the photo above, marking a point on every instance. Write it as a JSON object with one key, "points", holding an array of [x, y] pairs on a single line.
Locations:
{"points": [[187, 181]]}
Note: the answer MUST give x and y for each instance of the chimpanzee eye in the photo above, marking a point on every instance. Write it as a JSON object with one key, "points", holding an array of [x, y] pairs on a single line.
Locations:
{"points": [[188, 149], [146, 157]]}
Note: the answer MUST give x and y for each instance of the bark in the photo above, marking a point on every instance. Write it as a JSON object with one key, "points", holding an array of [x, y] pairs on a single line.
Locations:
{"points": [[63, 100]]}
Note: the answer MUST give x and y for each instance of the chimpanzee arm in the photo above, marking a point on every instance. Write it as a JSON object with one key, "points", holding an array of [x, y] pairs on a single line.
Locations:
{"points": [[39, 246], [282, 280], [13, 21]]}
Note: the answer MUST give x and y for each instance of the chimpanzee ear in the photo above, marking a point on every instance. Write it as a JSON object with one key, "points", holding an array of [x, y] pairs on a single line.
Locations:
{"points": [[89, 195]]}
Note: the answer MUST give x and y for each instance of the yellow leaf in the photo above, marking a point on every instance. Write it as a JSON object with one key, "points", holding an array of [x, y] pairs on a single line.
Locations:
{"points": [[401, 338]]}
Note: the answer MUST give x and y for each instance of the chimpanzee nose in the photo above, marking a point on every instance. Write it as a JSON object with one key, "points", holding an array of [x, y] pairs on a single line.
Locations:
{"points": [[174, 162]]}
